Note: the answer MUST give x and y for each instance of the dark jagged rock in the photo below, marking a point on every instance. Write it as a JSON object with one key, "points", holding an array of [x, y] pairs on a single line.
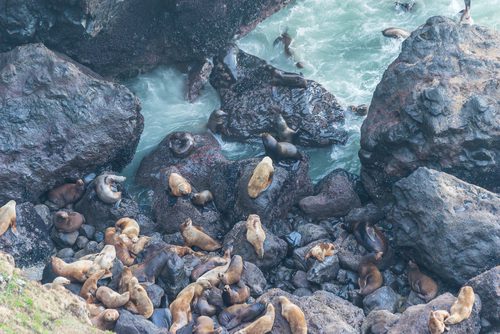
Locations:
{"points": [[162, 318], [155, 293], [129, 323], [198, 76], [64, 239], [59, 121], [324, 271], [436, 106], [447, 225], [253, 98], [383, 298], [254, 279], [487, 286], [378, 321], [173, 277], [311, 232]]}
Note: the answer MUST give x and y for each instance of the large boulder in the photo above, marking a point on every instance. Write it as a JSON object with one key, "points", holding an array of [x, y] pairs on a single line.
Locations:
{"points": [[59, 121], [436, 106], [129, 323], [447, 225], [487, 286]]}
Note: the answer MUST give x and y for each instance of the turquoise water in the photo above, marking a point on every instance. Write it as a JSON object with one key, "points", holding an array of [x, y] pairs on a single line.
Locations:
{"points": [[341, 45]]}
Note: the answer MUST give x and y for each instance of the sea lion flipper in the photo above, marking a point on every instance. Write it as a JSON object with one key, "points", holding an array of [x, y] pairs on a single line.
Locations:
{"points": [[371, 233]]}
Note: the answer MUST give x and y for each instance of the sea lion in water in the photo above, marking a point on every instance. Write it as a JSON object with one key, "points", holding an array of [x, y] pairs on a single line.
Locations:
{"points": [[8, 217], [75, 271], [231, 297], [106, 189], [261, 178], [202, 198], [129, 227], [285, 133], [256, 234], [436, 321], [180, 308], [263, 324], [279, 150], [286, 39], [395, 33], [462, 307], [370, 278], [320, 251], [181, 144], [178, 185], [194, 236], [68, 222], [294, 315], [205, 325], [425, 287], [216, 120], [106, 320], [110, 298], [139, 302], [287, 79], [68, 193], [240, 313], [213, 262], [406, 6], [466, 18], [233, 272], [89, 288]]}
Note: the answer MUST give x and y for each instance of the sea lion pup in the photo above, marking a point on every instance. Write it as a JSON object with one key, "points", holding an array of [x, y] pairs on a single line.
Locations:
{"points": [[262, 325], [89, 288], [139, 302], [178, 185], [129, 227], [205, 325], [57, 284], [370, 278], [233, 272], [462, 307], [68, 193], [466, 18], [320, 251], [110, 298], [294, 315], [256, 234], [395, 33], [436, 321], [181, 144], [210, 264], [279, 150], [202, 198], [106, 320], [139, 246], [261, 178], [106, 189], [8, 217], [75, 272], [284, 132], [216, 120], [231, 297], [237, 314], [194, 236], [68, 222], [425, 287], [104, 260]]}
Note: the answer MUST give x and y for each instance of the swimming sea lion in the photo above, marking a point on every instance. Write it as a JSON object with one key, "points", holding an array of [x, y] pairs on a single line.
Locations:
{"points": [[233, 272], [240, 313], [406, 6], [286, 39], [320, 251], [89, 288], [105, 320], [139, 302], [129, 227], [425, 287], [205, 325], [68, 222], [178, 185], [263, 324], [8, 217], [231, 297], [106, 189], [284, 132], [466, 18], [436, 321], [194, 236], [287, 79], [256, 234], [213, 262], [462, 307], [294, 315], [180, 308], [110, 298], [216, 120], [75, 271], [370, 278], [68, 193], [395, 33], [279, 150], [202, 198], [181, 144], [261, 178]]}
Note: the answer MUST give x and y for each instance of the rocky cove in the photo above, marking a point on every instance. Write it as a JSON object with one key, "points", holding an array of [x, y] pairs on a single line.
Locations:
{"points": [[427, 191]]}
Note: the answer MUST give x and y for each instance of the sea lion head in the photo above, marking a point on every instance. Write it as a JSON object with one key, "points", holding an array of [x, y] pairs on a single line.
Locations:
{"points": [[80, 183], [110, 315], [59, 280], [378, 255], [466, 291], [226, 288], [187, 223], [412, 264]]}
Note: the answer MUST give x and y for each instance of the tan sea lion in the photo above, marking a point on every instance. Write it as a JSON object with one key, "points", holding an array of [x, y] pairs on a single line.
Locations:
{"points": [[462, 307], [235, 315], [396, 33], [180, 308], [261, 178], [370, 278], [110, 298], [106, 320], [68, 193], [75, 272], [233, 272], [256, 234], [436, 321], [216, 120], [129, 227], [320, 251], [110, 236], [205, 325], [425, 287], [122, 252], [58, 283], [466, 18], [95, 309], [104, 260], [125, 279], [139, 246], [202, 198], [279, 150], [262, 325], [210, 264], [139, 302], [68, 222], [178, 185], [194, 236], [106, 189], [231, 297], [89, 288], [294, 315], [8, 217], [213, 276], [183, 251]]}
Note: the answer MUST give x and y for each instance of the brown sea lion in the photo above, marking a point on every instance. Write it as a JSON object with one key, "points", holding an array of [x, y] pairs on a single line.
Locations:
{"points": [[294, 315], [125, 278], [110, 298], [181, 144], [106, 320], [235, 315], [287, 79], [89, 288], [183, 250], [68, 222], [231, 297], [205, 325], [110, 236], [129, 227], [8, 217], [139, 246], [370, 278], [256, 234], [462, 307], [202, 198], [279, 150], [149, 269], [436, 321], [213, 262], [194, 236], [105, 187], [66, 194], [286, 39], [178, 185], [261, 178], [75, 272], [216, 120], [425, 287], [139, 302], [122, 252], [213, 276], [95, 309], [233, 272], [320, 251], [370, 237], [262, 325], [58, 283]]}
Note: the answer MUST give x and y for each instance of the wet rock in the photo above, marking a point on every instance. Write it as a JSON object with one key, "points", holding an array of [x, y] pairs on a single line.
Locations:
{"points": [[63, 240], [129, 323], [116, 270], [174, 239], [253, 98], [198, 76], [162, 318], [299, 279], [173, 277], [311, 232], [460, 237], [435, 106], [155, 293], [106, 117], [254, 279], [378, 322], [487, 286], [87, 231], [324, 271], [383, 298]]}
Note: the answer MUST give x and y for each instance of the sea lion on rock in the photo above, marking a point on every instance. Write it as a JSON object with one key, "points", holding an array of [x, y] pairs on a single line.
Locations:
{"points": [[320, 251], [89, 288], [125, 278], [370, 278], [256, 234], [66, 194], [58, 283], [395, 33], [425, 287], [104, 260], [122, 252], [68, 222], [106, 320], [180, 308], [294, 315], [262, 325], [194, 236], [406, 6], [149, 269], [139, 246], [233, 272], [235, 315], [129, 227], [181, 144], [213, 262], [8, 217], [139, 302], [110, 298], [279, 150], [369, 236], [285, 133], [75, 271], [106, 189], [205, 308], [462, 307], [231, 297], [287, 79], [261, 178], [213, 276], [202, 198], [205, 325], [178, 185], [216, 120], [436, 321]]}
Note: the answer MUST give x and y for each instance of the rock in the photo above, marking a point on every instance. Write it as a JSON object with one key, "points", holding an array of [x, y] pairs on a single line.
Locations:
{"points": [[62, 239], [198, 76], [299, 279], [81, 242], [436, 107], [32, 245], [369, 214], [65, 253], [44, 213], [253, 102], [302, 292], [324, 271], [173, 277], [335, 196], [87, 231], [311, 232], [378, 322], [384, 298], [162, 318], [129, 323], [155, 293], [487, 286], [299, 255], [460, 237], [174, 239], [92, 123], [254, 279]]}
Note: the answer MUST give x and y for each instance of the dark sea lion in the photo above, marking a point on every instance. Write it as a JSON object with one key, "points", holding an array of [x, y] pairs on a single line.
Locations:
{"points": [[286, 39], [370, 237], [68, 193], [395, 33], [205, 308], [233, 272], [68, 222], [287, 79], [406, 6], [279, 150], [216, 120], [8, 217], [150, 268], [285, 133], [425, 287], [238, 296], [370, 278], [235, 315], [213, 262], [181, 144], [202, 198]]}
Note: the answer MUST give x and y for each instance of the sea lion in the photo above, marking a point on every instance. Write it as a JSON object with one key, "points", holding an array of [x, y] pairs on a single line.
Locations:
{"points": [[320, 251], [210, 264], [106, 189], [231, 297], [370, 278], [104, 260], [178, 185], [180, 308], [8, 217], [66, 194], [466, 18], [213, 275], [122, 252], [106, 320], [203, 307], [181, 144], [285, 133], [58, 283], [287, 79], [68, 222], [194, 236], [89, 288], [462, 307], [139, 246], [110, 236], [395, 33], [279, 150], [406, 6], [370, 237], [202, 198], [205, 325], [294, 315], [233, 272], [149, 269], [129, 227], [139, 302], [256, 234], [95, 309], [286, 39], [183, 250], [262, 325], [75, 271], [240, 313], [425, 287], [110, 298], [216, 120], [261, 178], [436, 321], [125, 278]]}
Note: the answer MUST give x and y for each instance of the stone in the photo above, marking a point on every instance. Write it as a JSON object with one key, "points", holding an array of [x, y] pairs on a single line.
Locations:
{"points": [[311, 232], [87, 231], [253, 277], [487, 286], [65, 253], [129, 323], [162, 318], [81, 242], [324, 271], [299, 279], [384, 298], [62, 239], [155, 293], [44, 213]]}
